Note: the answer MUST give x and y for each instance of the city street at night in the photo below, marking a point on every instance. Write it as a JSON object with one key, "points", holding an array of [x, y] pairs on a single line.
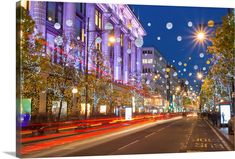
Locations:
{"points": [[118, 79]]}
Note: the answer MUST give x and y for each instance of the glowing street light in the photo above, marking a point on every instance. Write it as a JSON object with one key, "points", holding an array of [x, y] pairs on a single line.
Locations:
{"points": [[74, 90], [201, 36], [178, 88], [199, 75], [112, 39]]}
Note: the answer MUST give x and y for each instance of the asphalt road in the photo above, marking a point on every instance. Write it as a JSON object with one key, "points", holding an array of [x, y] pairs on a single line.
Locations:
{"points": [[185, 135]]}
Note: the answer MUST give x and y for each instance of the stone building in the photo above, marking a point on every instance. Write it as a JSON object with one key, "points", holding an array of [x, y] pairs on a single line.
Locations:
{"points": [[112, 29]]}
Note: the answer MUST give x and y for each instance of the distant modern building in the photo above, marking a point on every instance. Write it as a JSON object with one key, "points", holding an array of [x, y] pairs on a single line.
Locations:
{"points": [[161, 79], [153, 74]]}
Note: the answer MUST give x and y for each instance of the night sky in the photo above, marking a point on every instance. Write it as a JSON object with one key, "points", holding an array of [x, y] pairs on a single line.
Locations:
{"points": [[154, 20]]}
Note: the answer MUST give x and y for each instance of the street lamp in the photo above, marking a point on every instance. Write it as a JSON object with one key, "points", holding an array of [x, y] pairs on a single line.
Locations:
{"points": [[112, 39], [74, 90], [201, 36], [199, 75]]}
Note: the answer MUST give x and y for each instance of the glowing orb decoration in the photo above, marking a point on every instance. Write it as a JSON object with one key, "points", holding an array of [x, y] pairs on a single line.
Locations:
{"points": [[118, 40], [195, 67], [180, 63], [108, 26], [158, 38], [58, 40], [201, 55], [204, 68], [169, 25], [186, 82], [190, 58], [78, 38], [148, 82], [179, 71], [194, 81], [182, 74], [175, 74], [163, 69], [173, 61], [128, 51], [185, 64], [119, 59], [163, 82], [168, 69], [190, 74], [160, 58], [211, 23], [184, 69], [149, 24], [69, 22], [57, 26], [166, 76], [139, 42], [208, 62], [179, 38], [190, 24], [167, 87], [98, 40]]}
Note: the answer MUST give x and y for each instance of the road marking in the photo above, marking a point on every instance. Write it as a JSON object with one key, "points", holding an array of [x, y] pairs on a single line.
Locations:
{"points": [[129, 144], [150, 134], [216, 133]]}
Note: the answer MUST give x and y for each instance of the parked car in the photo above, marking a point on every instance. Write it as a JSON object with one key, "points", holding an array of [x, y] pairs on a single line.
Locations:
{"points": [[231, 125]]}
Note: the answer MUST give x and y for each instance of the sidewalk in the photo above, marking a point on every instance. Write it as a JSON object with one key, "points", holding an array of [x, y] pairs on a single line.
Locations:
{"points": [[223, 131]]}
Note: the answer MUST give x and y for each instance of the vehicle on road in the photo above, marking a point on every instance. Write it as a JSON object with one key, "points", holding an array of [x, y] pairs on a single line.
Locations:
{"points": [[231, 125]]}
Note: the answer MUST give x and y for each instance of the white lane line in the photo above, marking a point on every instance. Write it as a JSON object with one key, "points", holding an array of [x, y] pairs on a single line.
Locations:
{"points": [[129, 144], [217, 134], [150, 134]]}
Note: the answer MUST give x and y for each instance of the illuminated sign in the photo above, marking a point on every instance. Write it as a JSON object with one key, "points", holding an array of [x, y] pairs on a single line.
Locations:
{"points": [[225, 113], [128, 113], [103, 109]]}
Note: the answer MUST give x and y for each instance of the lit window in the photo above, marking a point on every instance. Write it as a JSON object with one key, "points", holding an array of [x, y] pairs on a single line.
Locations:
{"points": [[145, 61], [98, 19], [54, 12], [150, 61], [98, 46], [121, 40]]}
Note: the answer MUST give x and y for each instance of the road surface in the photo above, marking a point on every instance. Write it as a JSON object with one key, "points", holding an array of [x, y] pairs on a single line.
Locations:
{"points": [[182, 135]]}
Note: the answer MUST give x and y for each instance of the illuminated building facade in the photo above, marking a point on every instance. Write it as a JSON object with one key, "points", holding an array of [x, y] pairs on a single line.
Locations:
{"points": [[82, 29]]}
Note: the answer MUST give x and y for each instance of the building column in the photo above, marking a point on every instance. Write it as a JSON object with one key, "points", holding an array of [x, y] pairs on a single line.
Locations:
{"points": [[133, 58], [90, 13], [139, 65], [38, 13], [69, 13], [117, 54], [125, 59], [105, 47]]}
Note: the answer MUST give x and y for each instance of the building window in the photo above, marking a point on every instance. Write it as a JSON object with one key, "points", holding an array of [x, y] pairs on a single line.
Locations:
{"points": [[80, 9], [145, 61], [54, 12], [149, 52], [98, 46], [98, 19], [150, 61], [79, 29], [121, 40]]}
